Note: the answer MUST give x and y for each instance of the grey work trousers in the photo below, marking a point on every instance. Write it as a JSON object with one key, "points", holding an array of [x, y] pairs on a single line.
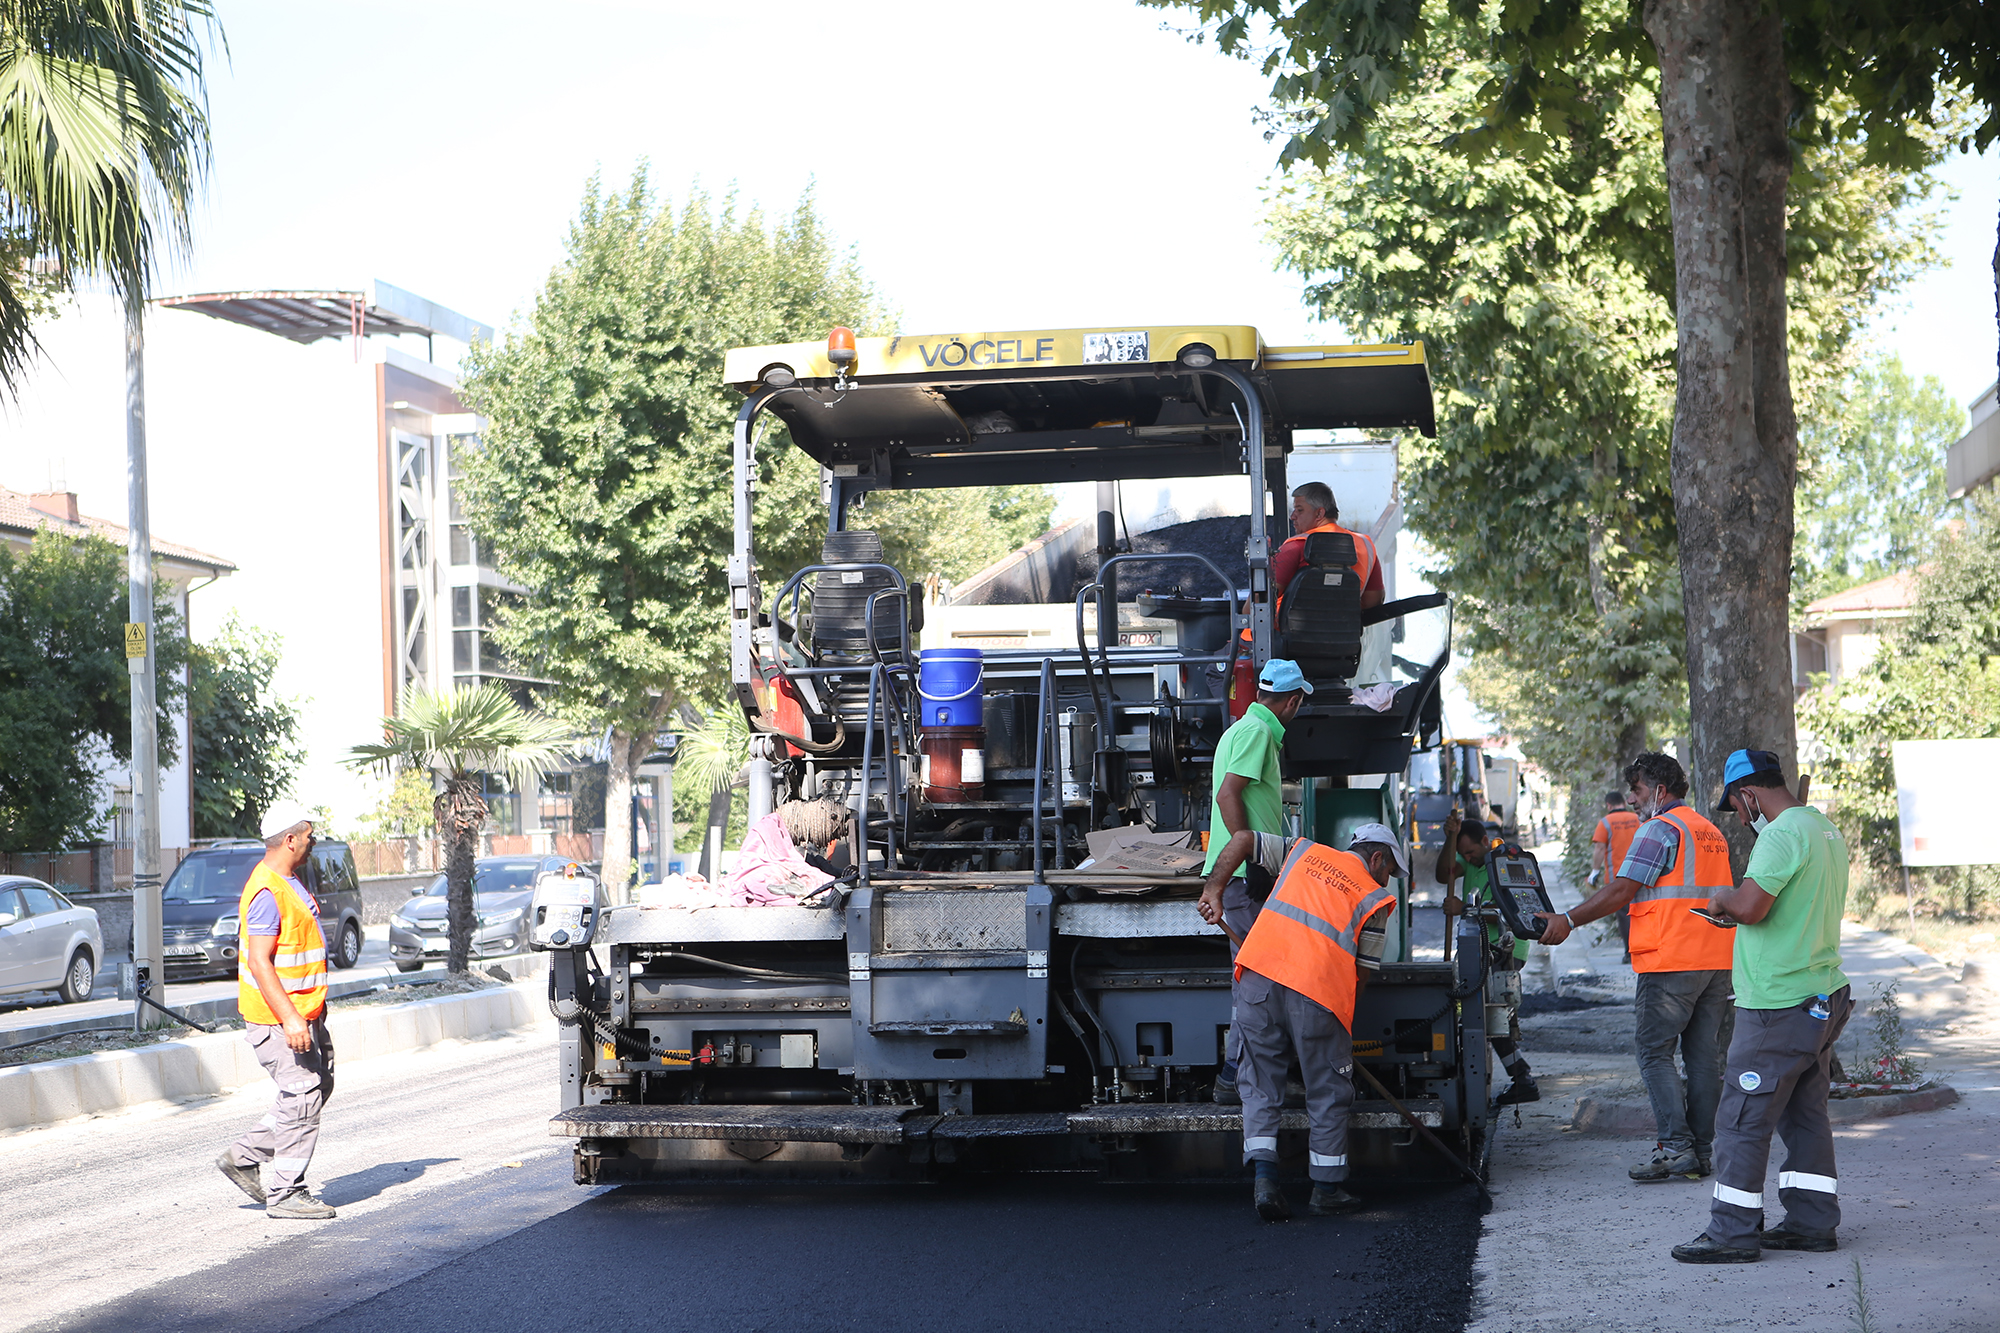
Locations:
{"points": [[286, 1136], [1274, 1024], [1691, 1011], [1778, 1069], [1239, 913]]}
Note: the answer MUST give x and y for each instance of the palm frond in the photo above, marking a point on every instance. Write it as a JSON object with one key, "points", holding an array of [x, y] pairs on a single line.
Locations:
{"points": [[103, 133], [463, 731], [712, 752]]}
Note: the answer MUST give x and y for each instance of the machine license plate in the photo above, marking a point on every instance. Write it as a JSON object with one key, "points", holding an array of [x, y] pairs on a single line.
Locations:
{"points": [[184, 951]]}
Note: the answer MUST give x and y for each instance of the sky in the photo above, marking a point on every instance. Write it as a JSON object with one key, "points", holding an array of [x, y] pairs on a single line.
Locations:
{"points": [[1043, 163]]}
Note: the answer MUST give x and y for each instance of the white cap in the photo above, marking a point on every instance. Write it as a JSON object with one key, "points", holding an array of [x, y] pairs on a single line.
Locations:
{"points": [[1383, 834], [281, 816]]}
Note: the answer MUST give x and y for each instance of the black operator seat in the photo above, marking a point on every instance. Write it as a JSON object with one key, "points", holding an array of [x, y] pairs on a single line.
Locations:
{"points": [[840, 601], [1321, 623]]}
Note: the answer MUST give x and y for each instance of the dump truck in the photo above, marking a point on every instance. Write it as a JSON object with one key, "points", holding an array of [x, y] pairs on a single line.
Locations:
{"points": [[980, 991]]}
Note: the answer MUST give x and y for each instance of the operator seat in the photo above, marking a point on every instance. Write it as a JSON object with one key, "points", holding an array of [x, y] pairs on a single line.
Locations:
{"points": [[1321, 617], [838, 626]]}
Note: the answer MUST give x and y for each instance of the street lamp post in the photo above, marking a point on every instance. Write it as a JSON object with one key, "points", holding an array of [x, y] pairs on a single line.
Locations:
{"points": [[148, 951]]}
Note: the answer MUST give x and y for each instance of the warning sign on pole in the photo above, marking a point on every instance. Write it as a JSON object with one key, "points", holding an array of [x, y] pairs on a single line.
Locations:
{"points": [[135, 639]]}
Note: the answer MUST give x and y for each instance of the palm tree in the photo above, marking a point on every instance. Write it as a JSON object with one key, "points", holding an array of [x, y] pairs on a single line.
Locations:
{"points": [[103, 141], [459, 736]]}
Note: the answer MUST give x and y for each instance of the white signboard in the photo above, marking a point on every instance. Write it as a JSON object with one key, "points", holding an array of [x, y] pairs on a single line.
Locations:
{"points": [[1944, 798]]}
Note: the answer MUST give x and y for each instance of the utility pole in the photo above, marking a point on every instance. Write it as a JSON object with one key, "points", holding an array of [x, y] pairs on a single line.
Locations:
{"points": [[148, 958]]}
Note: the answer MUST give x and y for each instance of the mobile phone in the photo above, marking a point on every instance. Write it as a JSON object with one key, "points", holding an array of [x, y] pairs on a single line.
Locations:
{"points": [[1712, 918]]}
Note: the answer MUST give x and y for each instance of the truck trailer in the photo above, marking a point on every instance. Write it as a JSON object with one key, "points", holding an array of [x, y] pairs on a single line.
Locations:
{"points": [[980, 991]]}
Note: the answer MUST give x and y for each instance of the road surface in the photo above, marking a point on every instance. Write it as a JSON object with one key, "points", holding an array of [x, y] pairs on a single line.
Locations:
{"points": [[457, 1212]]}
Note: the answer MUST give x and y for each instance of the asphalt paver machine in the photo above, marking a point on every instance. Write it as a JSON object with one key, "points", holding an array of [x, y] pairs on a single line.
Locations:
{"points": [[980, 993]]}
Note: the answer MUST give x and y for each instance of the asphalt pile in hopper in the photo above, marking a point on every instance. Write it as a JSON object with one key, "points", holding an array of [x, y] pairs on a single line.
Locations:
{"points": [[1220, 539]]}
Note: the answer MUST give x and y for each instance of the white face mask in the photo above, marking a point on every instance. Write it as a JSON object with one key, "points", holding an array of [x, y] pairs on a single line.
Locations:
{"points": [[1760, 821]]}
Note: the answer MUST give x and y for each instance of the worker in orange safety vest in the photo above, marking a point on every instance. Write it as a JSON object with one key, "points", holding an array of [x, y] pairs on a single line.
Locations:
{"points": [[1677, 861], [1298, 973], [281, 991]]}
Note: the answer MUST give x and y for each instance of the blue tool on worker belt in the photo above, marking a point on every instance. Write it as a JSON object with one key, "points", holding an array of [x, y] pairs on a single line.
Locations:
{"points": [[1515, 878]]}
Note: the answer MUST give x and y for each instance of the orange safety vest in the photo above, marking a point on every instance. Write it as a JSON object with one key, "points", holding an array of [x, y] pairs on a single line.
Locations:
{"points": [[1306, 936], [301, 958], [1619, 828], [1666, 937]]}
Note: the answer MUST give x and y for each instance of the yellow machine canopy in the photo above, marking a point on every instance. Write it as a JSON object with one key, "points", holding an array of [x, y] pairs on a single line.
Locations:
{"points": [[1050, 405]]}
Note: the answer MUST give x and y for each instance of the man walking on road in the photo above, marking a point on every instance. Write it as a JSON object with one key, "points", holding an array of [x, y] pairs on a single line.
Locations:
{"points": [[1299, 971], [1249, 796], [1792, 1000], [1678, 861], [1609, 842], [281, 991]]}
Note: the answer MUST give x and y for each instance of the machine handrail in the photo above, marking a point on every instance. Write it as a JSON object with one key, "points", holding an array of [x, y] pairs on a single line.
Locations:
{"points": [[1396, 610], [1105, 735], [1045, 749]]}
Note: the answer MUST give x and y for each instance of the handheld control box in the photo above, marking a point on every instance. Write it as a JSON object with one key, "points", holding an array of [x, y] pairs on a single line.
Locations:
{"points": [[1514, 879], [564, 912]]}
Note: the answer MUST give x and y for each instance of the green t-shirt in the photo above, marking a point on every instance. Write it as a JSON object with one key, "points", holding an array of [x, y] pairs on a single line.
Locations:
{"points": [[1793, 954], [1250, 748], [1473, 880]]}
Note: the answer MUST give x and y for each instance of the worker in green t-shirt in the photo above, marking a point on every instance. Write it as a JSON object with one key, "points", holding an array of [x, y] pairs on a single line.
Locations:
{"points": [[1792, 1000], [1463, 856], [1248, 794]]}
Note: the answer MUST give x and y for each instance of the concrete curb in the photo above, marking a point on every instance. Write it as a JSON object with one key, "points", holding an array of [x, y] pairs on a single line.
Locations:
{"points": [[208, 1065], [1610, 1117]]}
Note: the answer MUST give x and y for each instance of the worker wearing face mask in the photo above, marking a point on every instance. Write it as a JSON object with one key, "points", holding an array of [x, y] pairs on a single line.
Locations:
{"points": [[1678, 860]]}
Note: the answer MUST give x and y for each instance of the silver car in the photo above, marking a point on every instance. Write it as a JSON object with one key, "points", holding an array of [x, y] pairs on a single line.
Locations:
{"points": [[46, 941]]}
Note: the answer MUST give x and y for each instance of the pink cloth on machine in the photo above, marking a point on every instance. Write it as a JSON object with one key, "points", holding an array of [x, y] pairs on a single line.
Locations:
{"points": [[769, 869]]}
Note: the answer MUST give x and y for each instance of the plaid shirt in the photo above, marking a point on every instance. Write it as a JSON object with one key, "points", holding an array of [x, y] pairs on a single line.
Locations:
{"points": [[1653, 848]]}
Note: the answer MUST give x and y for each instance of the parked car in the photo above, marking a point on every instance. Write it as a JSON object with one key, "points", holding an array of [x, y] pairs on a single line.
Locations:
{"points": [[503, 887], [205, 890], [46, 941]]}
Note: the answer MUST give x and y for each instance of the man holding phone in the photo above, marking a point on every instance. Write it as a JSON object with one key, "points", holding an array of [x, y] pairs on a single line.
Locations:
{"points": [[1792, 1000]]}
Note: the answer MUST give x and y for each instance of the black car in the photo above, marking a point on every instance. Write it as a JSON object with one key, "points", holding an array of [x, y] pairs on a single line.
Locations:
{"points": [[503, 888], [205, 890]]}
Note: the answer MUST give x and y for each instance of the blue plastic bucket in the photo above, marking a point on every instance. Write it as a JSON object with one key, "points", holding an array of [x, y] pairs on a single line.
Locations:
{"points": [[950, 682]]}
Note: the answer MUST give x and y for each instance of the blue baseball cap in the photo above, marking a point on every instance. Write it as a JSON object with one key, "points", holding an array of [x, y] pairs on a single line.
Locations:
{"points": [[1282, 677], [1741, 764]]}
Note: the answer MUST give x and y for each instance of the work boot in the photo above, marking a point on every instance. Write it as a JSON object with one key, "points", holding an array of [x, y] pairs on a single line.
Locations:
{"points": [[1668, 1164], [1523, 1089], [299, 1205], [245, 1178], [1271, 1205], [1782, 1237], [1331, 1200], [1224, 1092], [1704, 1164], [1702, 1250]]}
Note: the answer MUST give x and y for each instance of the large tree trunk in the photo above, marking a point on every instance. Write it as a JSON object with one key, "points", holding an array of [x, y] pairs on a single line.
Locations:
{"points": [[1724, 100], [461, 813], [618, 817]]}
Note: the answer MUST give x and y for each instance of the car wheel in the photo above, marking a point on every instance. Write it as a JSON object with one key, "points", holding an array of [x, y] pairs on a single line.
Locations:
{"points": [[409, 964], [348, 952], [81, 978]]}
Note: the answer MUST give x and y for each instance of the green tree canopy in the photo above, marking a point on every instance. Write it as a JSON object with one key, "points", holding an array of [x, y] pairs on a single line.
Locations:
{"points": [[603, 483], [65, 690], [1743, 86], [1871, 477], [1936, 677], [242, 738], [1542, 283]]}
